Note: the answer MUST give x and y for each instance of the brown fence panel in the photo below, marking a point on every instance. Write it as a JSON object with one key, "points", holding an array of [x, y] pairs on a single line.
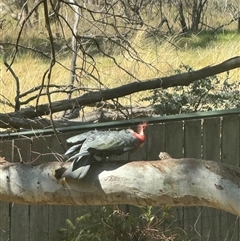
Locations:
{"points": [[174, 141], [4, 220], [6, 151], [210, 218], [215, 139], [192, 148], [38, 215], [21, 150], [155, 141], [59, 145], [212, 139], [19, 214], [40, 150], [174, 137], [39, 224], [229, 224], [57, 217], [19, 222]]}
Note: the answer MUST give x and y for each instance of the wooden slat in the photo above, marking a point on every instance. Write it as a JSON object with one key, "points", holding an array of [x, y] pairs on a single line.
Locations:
{"points": [[155, 141], [40, 152], [22, 150], [72, 212], [19, 223], [77, 211], [6, 151], [57, 214], [174, 139], [20, 213], [230, 155], [125, 123], [4, 220], [230, 140], [57, 220], [38, 223], [210, 218], [192, 148], [141, 153], [38, 215], [58, 145]]}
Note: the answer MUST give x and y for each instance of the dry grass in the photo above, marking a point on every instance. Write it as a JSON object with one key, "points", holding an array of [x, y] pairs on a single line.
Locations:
{"points": [[164, 58]]}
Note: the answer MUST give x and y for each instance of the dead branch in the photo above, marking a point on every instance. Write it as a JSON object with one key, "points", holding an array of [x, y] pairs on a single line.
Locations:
{"points": [[174, 182], [91, 97]]}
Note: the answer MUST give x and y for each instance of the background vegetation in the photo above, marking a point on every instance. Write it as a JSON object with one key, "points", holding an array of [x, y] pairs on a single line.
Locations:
{"points": [[111, 223], [154, 42], [118, 42]]}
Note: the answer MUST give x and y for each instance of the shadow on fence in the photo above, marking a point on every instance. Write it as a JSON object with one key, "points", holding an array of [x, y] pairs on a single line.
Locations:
{"points": [[214, 138]]}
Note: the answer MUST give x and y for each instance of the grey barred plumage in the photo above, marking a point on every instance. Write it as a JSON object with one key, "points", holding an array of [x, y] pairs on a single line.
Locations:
{"points": [[89, 146]]}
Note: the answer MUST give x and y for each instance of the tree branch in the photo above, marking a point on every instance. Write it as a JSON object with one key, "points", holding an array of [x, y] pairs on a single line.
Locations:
{"points": [[174, 182], [183, 79]]}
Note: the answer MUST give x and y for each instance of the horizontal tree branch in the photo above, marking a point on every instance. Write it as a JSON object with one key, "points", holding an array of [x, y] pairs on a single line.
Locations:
{"points": [[184, 79], [174, 182], [164, 83]]}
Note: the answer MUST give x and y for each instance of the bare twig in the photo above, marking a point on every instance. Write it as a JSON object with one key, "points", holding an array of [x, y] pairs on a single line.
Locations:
{"points": [[21, 29], [182, 79], [49, 71], [17, 102], [74, 53]]}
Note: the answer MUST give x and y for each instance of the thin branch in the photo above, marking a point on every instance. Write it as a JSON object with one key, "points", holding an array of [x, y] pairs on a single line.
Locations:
{"points": [[183, 79], [17, 102], [72, 77], [6, 102], [49, 71], [21, 29], [226, 24]]}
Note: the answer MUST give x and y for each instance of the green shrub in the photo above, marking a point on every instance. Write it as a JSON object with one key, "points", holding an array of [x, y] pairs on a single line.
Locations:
{"points": [[203, 95], [112, 224]]}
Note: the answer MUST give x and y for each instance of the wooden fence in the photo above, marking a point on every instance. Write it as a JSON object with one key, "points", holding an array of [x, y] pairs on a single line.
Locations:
{"points": [[214, 138]]}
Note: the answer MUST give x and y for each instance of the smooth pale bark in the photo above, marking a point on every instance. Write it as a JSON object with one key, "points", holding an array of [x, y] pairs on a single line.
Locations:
{"points": [[174, 182]]}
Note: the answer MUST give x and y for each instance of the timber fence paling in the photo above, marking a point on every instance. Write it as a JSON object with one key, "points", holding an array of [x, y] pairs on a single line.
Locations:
{"points": [[40, 150], [155, 141], [39, 221], [174, 141], [57, 217], [4, 220], [39, 224], [19, 214], [140, 154], [57, 214], [210, 218], [230, 150], [192, 148], [174, 137], [6, 151], [122, 123]]}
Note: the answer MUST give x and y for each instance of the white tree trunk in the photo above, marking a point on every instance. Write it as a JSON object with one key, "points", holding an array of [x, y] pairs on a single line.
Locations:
{"points": [[174, 182]]}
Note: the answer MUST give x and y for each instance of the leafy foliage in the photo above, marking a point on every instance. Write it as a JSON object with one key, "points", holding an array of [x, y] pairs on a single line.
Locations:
{"points": [[111, 223], [203, 95]]}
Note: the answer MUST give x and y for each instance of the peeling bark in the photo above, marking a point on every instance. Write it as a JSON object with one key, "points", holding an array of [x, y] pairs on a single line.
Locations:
{"points": [[174, 182]]}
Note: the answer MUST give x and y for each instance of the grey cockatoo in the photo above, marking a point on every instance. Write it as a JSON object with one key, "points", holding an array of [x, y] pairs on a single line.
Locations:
{"points": [[94, 145]]}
